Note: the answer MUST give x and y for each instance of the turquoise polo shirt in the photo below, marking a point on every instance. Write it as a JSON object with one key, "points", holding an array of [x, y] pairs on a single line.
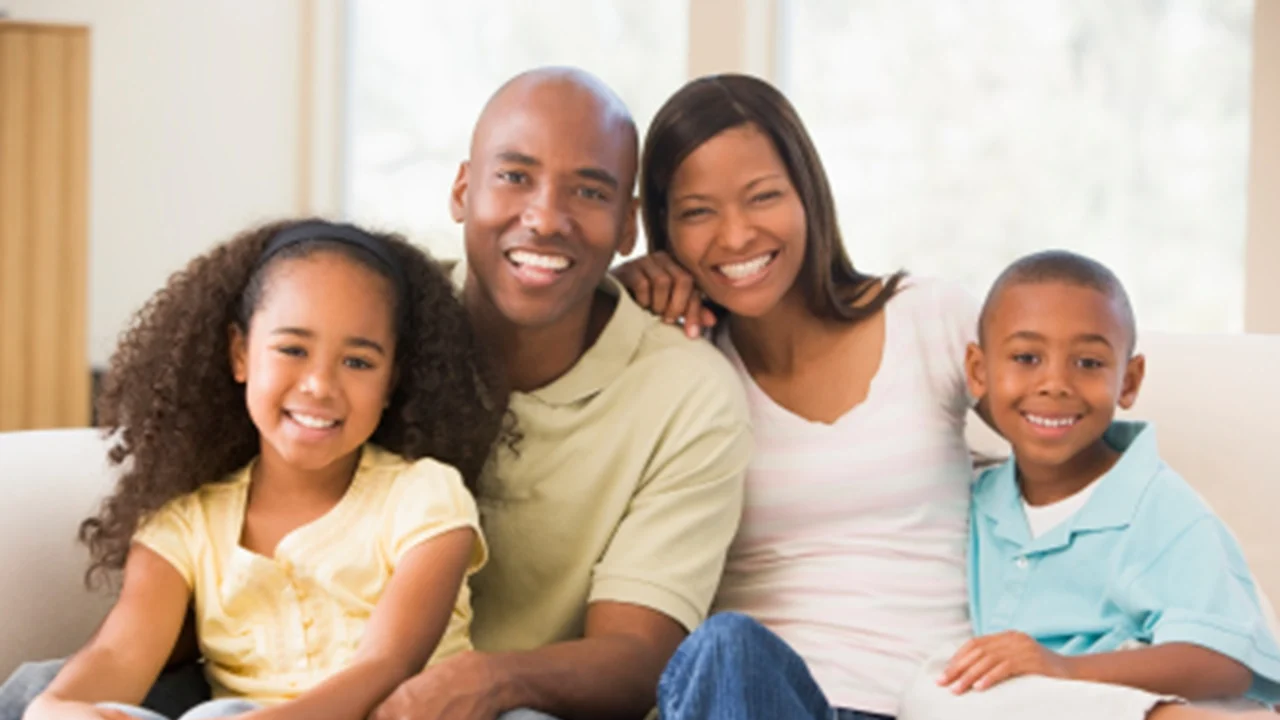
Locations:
{"points": [[1144, 560]]}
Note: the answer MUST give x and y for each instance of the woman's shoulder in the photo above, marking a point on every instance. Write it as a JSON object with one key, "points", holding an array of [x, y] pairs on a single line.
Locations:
{"points": [[934, 293]]}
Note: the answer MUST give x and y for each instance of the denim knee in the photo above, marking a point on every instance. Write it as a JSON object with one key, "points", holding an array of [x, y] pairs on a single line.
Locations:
{"points": [[728, 630]]}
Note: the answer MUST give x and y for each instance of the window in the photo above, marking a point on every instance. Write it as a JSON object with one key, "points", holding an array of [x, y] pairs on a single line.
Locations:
{"points": [[420, 72], [962, 138]]}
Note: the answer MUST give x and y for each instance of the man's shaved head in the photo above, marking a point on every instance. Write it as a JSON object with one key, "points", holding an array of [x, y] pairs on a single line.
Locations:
{"points": [[574, 86]]}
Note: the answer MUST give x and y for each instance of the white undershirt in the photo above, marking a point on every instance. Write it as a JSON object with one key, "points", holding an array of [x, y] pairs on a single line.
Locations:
{"points": [[1041, 519]]}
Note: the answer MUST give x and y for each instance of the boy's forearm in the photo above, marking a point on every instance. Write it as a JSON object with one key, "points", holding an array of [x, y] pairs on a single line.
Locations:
{"points": [[614, 676], [1188, 671]]}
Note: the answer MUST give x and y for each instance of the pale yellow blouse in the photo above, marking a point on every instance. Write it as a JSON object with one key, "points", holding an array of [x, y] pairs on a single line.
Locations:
{"points": [[271, 628]]}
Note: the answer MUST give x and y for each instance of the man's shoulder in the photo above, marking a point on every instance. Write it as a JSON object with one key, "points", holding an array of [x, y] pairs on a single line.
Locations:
{"points": [[674, 368]]}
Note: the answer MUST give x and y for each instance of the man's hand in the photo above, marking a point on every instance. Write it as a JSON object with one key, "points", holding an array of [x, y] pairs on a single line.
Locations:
{"points": [[987, 661], [460, 688]]}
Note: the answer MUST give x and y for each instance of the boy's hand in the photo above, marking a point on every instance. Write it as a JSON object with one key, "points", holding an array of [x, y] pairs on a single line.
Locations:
{"points": [[987, 661]]}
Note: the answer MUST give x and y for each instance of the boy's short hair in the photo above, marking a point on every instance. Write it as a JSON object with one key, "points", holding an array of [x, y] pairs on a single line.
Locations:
{"points": [[1062, 266]]}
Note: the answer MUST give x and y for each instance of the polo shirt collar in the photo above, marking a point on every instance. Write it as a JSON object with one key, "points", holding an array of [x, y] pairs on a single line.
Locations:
{"points": [[1112, 505], [607, 357]]}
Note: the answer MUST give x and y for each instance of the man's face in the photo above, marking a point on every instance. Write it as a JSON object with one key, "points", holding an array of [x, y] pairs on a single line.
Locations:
{"points": [[546, 201]]}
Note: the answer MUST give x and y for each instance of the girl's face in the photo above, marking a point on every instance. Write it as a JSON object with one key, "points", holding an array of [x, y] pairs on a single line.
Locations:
{"points": [[318, 360], [736, 221]]}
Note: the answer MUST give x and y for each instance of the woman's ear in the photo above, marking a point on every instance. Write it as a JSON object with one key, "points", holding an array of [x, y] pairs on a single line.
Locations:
{"points": [[239, 353]]}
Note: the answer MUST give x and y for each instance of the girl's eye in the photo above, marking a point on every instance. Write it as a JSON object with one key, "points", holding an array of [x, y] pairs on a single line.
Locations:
{"points": [[291, 351], [356, 363]]}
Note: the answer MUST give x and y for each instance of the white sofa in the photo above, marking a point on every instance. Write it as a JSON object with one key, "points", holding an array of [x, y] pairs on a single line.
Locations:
{"points": [[1214, 400]]}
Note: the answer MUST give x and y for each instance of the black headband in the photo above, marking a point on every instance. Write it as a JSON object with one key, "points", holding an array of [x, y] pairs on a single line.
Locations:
{"points": [[339, 233]]}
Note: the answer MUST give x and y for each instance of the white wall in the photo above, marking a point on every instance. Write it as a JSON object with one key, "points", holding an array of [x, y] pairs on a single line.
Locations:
{"points": [[193, 135]]}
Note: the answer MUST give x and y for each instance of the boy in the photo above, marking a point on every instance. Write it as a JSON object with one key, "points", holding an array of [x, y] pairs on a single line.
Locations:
{"points": [[1090, 560]]}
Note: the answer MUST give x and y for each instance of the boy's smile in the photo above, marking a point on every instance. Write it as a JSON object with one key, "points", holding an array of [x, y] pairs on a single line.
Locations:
{"points": [[1054, 364]]}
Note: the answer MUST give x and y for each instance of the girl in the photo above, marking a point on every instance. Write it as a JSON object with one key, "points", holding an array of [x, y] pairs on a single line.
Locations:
{"points": [[298, 416]]}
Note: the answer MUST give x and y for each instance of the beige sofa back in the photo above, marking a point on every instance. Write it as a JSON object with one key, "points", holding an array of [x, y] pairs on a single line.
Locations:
{"points": [[1213, 399]]}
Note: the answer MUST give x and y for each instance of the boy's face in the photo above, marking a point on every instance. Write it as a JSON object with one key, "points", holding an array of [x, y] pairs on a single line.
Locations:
{"points": [[1053, 365]]}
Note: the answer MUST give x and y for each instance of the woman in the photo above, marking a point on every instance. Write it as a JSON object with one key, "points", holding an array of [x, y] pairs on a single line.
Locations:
{"points": [[848, 571]]}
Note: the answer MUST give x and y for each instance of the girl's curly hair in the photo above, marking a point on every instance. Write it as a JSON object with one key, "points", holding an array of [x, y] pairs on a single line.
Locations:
{"points": [[177, 418]]}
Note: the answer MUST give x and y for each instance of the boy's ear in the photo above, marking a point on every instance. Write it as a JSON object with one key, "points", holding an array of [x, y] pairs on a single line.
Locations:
{"points": [[1134, 372], [239, 353], [458, 195], [975, 371]]}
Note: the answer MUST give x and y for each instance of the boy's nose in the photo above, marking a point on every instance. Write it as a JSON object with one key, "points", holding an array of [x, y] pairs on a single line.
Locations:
{"points": [[1054, 380]]}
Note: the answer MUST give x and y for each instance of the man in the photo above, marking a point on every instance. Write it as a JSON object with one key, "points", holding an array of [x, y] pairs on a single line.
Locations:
{"points": [[609, 518]]}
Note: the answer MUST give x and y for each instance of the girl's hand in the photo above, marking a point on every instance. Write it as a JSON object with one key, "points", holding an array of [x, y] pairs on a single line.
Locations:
{"points": [[660, 285], [987, 661]]}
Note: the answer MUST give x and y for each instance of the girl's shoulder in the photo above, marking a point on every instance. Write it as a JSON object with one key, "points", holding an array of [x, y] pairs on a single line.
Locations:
{"points": [[398, 476]]}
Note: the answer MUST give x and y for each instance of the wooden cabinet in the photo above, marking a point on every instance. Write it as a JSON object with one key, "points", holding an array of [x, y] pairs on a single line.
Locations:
{"points": [[44, 181]]}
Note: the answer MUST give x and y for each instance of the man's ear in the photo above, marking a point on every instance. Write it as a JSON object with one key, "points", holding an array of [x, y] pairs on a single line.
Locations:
{"points": [[627, 242], [458, 195], [975, 371], [1135, 372], [239, 353]]}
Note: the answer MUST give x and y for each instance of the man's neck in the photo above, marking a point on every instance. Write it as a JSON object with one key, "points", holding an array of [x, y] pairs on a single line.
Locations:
{"points": [[534, 357]]}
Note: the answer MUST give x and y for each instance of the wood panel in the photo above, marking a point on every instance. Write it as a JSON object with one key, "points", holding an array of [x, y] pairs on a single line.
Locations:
{"points": [[44, 143]]}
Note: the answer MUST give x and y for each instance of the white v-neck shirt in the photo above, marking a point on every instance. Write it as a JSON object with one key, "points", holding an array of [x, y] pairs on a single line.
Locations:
{"points": [[852, 546]]}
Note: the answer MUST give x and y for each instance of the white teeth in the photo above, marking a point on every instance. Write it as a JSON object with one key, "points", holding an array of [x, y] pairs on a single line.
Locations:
{"points": [[738, 271], [538, 260], [310, 421], [1051, 422]]}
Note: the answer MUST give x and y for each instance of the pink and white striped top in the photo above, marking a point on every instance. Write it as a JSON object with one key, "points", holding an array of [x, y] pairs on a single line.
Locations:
{"points": [[853, 538]]}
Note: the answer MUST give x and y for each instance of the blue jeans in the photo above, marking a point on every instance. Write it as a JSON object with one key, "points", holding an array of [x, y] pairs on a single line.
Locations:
{"points": [[176, 692], [732, 668]]}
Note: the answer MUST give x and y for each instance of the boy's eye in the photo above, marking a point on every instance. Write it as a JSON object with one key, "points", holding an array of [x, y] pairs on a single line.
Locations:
{"points": [[1026, 359], [356, 363], [1091, 364]]}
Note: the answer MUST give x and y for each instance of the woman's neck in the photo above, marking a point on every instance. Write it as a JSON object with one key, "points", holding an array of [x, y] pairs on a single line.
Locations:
{"points": [[779, 341]]}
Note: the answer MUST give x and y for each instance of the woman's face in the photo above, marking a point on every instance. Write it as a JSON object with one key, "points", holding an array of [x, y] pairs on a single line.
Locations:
{"points": [[736, 222]]}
